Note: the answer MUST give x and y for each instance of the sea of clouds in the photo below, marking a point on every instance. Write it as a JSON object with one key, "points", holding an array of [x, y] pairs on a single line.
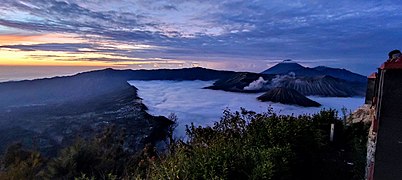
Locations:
{"points": [[193, 104]]}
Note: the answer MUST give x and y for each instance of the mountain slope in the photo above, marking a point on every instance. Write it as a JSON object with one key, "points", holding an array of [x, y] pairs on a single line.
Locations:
{"points": [[321, 86], [237, 82], [57, 110], [287, 96], [341, 74], [317, 85], [284, 67], [289, 66]]}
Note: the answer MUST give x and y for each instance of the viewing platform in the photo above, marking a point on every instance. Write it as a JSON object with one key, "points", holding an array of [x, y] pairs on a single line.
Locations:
{"points": [[384, 93]]}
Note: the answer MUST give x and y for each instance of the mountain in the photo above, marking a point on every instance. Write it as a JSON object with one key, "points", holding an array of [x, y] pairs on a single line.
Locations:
{"points": [[52, 112], [284, 67], [287, 96], [341, 74], [322, 85], [288, 66]]}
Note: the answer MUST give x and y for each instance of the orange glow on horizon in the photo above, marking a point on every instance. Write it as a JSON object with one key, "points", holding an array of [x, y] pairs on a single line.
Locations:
{"points": [[13, 39], [73, 63], [13, 57], [10, 56], [98, 54]]}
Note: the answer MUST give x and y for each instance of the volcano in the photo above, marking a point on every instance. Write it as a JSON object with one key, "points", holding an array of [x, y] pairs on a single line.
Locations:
{"points": [[287, 96]]}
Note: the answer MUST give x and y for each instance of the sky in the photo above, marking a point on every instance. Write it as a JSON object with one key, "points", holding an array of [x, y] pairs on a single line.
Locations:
{"points": [[240, 35]]}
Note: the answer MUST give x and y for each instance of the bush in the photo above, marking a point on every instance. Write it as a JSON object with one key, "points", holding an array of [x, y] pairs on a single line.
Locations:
{"points": [[242, 145], [247, 145], [19, 163]]}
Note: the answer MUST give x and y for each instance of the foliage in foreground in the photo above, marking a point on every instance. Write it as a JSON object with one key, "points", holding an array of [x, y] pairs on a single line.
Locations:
{"points": [[246, 145], [242, 145]]}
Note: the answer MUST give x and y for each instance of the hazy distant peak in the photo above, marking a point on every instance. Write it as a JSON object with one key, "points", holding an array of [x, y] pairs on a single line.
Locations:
{"points": [[284, 67]]}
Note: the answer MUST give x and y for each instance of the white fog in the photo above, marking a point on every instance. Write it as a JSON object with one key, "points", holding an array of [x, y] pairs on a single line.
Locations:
{"points": [[203, 107]]}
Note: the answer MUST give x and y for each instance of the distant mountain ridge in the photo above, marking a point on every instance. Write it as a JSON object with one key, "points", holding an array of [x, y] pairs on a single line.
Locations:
{"points": [[92, 83], [284, 67], [288, 66]]}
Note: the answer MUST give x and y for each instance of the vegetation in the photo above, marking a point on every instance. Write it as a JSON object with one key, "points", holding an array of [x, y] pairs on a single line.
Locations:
{"points": [[242, 145]]}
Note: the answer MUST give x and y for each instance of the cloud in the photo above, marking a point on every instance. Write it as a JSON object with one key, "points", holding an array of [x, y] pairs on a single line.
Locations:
{"points": [[191, 103], [258, 84], [360, 31], [50, 47]]}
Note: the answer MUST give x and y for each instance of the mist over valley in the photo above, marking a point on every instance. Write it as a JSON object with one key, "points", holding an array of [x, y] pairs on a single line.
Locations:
{"points": [[192, 103]]}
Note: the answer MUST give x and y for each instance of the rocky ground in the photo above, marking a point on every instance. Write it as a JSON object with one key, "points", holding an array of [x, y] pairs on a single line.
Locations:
{"points": [[364, 113]]}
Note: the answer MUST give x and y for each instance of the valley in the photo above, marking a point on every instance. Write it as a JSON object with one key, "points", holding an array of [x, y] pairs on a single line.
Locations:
{"points": [[50, 113]]}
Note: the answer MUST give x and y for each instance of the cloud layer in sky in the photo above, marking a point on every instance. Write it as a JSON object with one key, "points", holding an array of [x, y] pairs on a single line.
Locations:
{"points": [[244, 35]]}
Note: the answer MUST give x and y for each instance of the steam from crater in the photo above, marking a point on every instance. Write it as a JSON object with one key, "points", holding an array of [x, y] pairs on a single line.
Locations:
{"points": [[279, 79], [262, 84], [258, 84]]}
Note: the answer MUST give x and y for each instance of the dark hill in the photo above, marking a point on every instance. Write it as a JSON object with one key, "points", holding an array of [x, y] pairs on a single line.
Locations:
{"points": [[289, 66], [287, 96], [89, 85], [56, 110]]}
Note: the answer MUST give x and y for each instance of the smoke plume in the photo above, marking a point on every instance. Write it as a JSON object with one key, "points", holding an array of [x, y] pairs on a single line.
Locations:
{"points": [[258, 84]]}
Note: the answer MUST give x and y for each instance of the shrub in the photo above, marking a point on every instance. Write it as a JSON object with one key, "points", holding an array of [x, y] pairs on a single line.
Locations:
{"points": [[242, 145], [247, 145]]}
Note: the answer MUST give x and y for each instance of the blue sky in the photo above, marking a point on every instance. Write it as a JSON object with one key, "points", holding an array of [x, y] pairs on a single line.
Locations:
{"points": [[239, 35]]}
